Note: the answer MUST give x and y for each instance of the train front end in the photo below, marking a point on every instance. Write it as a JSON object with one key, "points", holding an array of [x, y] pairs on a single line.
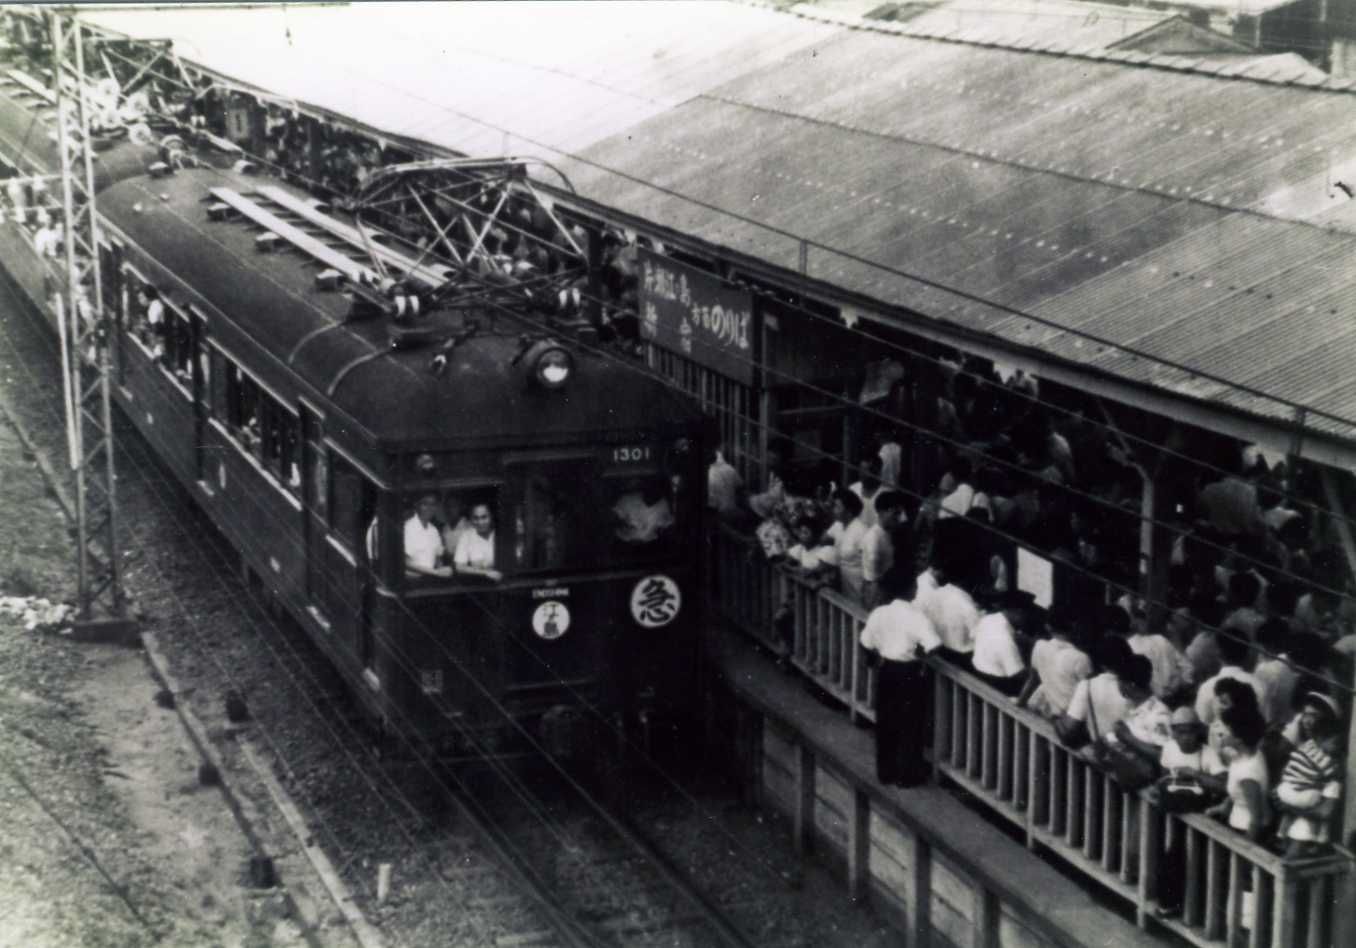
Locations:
{"points": [[550, 587]]}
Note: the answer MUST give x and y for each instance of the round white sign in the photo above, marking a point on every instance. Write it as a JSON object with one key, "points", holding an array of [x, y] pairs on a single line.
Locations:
{"points": [[551, 619], [655, 601]]}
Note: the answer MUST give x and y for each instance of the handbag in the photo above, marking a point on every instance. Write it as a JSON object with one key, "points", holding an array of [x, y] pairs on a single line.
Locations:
{"points": [[1184, 794], [1131, 770]]}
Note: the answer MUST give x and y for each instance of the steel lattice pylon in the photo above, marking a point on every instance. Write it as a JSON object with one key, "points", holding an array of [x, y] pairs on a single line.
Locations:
{"points": [[85, 362]]}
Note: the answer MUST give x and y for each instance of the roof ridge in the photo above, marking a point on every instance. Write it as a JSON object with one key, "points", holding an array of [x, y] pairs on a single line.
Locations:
{"points": [[1170, 63]]}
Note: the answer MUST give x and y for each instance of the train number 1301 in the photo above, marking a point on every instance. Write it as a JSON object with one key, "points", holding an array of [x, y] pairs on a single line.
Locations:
{"points": [[631, 454]]}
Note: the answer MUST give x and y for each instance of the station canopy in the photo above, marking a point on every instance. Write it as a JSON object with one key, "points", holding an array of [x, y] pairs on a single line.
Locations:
{"points": [[1173, 222]]}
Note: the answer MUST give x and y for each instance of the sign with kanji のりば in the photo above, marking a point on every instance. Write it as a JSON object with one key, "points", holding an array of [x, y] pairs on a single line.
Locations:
{"points": [[697, 315]]}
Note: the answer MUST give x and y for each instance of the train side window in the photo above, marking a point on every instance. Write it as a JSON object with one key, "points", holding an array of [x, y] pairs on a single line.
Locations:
{"points": [[217, 375], [279, 434], [177, 337], [352, 504], [146, 315]]}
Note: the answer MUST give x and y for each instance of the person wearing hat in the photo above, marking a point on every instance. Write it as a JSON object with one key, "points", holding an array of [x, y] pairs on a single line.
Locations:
{"points": [[1058, 664], [1311, 783], [1190, 766], [896, 637], [996, 658]]}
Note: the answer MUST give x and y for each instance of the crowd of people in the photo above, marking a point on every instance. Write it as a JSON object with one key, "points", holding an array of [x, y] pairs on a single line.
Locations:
{"points": [[1230, 695]]}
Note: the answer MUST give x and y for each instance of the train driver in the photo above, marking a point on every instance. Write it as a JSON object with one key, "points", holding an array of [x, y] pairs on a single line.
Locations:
{"points": [[474, 555], [423, 543]]}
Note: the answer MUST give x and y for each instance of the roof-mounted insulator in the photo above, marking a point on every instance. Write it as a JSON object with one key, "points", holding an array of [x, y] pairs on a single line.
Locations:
{"points": [[328, 280], [267, 243], [406, 307], [159, 169], [244, 167], [218, 211]]}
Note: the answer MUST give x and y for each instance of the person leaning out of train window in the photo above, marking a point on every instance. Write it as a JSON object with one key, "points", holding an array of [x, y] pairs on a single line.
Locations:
{"points": [[455, 523], [474, 555], [154, 327], [423, 542]]}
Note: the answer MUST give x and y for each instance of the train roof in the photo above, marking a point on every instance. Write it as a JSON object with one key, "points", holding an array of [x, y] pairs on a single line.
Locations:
{"points": [[393, 395], [28, 140]]}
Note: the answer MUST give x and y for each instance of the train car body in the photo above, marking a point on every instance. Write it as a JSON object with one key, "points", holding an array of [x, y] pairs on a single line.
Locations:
{"points": [[310, 440]]}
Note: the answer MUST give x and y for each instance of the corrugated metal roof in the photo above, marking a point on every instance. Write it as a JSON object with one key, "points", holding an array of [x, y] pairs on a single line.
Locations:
{"points": [[1159, 223], [455, 74], [1007, 22]]}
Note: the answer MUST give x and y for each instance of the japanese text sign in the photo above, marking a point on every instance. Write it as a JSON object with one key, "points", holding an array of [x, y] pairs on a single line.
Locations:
{"points": [[697, 315]]}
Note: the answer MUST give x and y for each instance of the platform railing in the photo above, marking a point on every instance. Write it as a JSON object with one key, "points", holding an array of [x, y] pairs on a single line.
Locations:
{"points": [[1236, 892]]}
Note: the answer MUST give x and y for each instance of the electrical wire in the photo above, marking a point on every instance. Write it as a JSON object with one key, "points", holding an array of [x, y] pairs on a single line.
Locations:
{"points": [[972, 298], [392, 790]]}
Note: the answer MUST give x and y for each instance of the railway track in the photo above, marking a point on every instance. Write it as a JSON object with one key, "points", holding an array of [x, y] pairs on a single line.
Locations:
{"points": [[538, 862]]}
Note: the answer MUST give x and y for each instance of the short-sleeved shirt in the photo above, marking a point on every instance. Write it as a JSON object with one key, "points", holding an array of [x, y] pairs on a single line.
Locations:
{"points": [[848, 548], [868, 515], [474, 550], [1102, 697], [1171, 669], [896, 631], [995, 647], [1203, 656], [878, 553], [423, 544], [1245, 767], [1205, 759], [1061, 667], [1278, 681], [155, 313], [811, 557], [957, 503], [722, 486], [952, 612]]}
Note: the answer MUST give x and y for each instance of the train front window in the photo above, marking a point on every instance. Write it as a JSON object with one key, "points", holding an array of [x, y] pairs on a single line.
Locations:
{"points": [[642, 512], [552, 526], [571, 517]]}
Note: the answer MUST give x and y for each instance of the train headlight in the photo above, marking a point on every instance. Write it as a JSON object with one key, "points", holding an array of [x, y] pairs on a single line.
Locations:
{"points": [[552, 367]]}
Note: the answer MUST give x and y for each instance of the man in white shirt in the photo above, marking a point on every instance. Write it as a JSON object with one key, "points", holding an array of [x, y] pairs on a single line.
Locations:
{"points": [[898, 635], [847, 511], [952, 612], [996, 657], [869, 489], [423, 543], [723, 484], [1097, 705], [878, 549], [1172, 671], [1058, 664]]}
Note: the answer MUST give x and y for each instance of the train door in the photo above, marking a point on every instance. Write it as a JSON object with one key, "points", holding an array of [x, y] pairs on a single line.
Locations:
{"points": [[340, 544]]}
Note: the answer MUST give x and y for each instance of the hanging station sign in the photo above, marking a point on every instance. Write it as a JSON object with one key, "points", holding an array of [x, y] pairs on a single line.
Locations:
{"points": [[697, 315]]}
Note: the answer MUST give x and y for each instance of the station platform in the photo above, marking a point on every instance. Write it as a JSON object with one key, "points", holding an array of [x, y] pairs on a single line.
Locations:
{"points": [[928, 861]]}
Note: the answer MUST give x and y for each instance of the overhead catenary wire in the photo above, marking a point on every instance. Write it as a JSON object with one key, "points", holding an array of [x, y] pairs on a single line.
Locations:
{"points": [[392, 790], [856, 258], [970, 450], [540, 810]]}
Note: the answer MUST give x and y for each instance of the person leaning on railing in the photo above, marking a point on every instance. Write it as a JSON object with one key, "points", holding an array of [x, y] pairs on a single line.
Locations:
{"points": [[1246, 808], [896, 637]]}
